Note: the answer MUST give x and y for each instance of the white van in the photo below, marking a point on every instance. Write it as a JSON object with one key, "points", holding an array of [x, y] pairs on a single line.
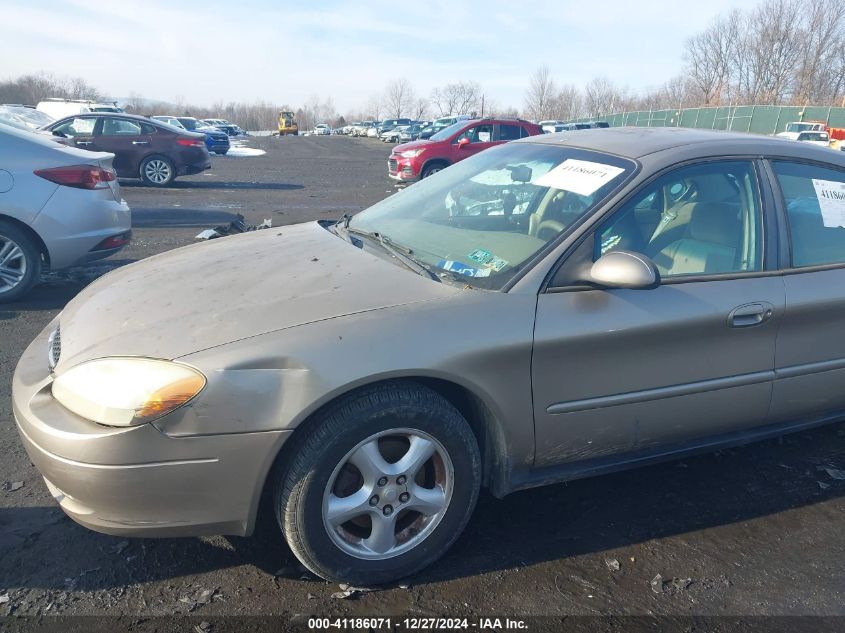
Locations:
{"points": [[60, 108]]}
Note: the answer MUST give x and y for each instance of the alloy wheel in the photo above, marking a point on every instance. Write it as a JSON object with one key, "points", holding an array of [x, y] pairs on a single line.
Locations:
{"points": [[12, 264], [157, 171], [388, 494]]}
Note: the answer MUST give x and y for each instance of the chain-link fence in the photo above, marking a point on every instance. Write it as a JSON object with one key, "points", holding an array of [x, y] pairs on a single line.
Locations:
{"points": [[756, 119]]}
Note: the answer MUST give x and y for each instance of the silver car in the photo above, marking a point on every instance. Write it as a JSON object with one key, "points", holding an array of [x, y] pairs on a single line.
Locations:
{"points": [[548, 309], [59, 206]]}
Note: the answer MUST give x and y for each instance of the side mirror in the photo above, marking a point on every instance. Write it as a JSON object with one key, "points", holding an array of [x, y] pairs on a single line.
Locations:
{"points": [[624, 269], [463, 142]]}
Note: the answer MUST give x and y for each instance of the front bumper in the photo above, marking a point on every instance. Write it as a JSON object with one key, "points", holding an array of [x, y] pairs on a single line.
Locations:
{"points": [[138, 481], [402, 169]]}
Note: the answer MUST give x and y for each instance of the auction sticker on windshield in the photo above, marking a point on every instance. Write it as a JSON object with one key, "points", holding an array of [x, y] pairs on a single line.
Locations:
{"points": [[579, 176]]}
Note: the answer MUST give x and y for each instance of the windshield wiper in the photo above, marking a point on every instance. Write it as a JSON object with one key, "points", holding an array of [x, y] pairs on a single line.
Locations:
{"points": [[400, 252]]}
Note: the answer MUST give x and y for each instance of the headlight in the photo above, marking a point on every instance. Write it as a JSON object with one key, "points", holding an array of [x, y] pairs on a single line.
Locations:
{"points": [[126, 391], [411, 153]]}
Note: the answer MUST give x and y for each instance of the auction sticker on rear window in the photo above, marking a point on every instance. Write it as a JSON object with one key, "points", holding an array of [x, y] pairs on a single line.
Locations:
{"points": [[831, 196], [579, 176]]}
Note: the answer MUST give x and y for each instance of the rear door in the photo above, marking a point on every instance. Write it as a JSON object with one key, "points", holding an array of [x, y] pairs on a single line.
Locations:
{"points": [[126, 139], [640, 371], [810, 359]]}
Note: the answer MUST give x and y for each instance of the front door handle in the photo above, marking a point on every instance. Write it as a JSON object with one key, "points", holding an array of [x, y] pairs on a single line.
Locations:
{"points": [[751, 314], [84, 143], [140, 142]]}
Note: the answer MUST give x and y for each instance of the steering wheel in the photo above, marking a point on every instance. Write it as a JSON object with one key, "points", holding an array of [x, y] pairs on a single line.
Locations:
{"points": [[549, 225]]}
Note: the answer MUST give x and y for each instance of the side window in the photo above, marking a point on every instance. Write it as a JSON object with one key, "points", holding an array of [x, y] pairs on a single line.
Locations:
{"points": [[77, 127], [477, 134], [120, 127], [814, 198], [509, 132], [703, 219], [146, 128]]}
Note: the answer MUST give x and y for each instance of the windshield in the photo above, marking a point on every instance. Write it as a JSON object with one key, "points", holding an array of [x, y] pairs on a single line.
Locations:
{"points": [[484, 218], [446, 132], [798, 127]]}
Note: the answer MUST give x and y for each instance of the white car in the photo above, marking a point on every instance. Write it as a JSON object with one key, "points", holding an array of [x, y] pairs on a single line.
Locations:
{"points": [[61, 108], [372, 132], [322, 129], [795, 128], [59, 206], [170, 120], [28, 115], [822, 139]]}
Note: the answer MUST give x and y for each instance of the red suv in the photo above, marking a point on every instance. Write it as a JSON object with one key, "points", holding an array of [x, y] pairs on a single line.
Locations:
{"points": [[419, 159]]}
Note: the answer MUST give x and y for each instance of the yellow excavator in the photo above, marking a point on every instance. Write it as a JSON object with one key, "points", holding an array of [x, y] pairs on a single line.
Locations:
{"points": [[287, 124]]}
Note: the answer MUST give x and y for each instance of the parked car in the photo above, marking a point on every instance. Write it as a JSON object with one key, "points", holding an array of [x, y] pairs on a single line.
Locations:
{"points": [[440, 124], [410, 133], [31, 117], [372, 131], [389, 124], [60, 108], [392, 135], [822, 139], [216, 140], [419, 159], [150, 150], [59, 206], [603, 292], [170, 120], [322, 129], [223, 124], [549, 126], [794, 128]]}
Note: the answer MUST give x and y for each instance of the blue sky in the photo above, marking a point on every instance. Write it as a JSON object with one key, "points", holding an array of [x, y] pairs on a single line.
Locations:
{"points": [[217, 50]]}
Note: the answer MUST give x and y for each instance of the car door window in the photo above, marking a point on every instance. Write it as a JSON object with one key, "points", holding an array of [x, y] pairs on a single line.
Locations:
{"points": [[814, 198], [78, 126], [477, 134], [708, 221], [120, 127], [509, 132]]}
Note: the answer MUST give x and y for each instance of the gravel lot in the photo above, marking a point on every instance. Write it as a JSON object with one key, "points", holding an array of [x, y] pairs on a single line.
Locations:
{"points": [[752, 531]]}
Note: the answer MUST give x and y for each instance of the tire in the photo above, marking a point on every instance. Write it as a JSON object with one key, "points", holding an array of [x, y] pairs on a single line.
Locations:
{"points": [[221, 152], [157, 171], [432, 168], [406, 420], [20, 262]]}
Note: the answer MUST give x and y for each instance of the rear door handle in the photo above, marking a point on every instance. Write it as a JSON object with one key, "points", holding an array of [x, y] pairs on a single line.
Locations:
{"points": [[751, 314], [140, 142], [84, 143]]}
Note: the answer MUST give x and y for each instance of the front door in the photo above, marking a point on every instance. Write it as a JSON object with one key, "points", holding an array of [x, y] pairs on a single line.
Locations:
{"points": [[618, 371], [472, 140], [125, 138]]}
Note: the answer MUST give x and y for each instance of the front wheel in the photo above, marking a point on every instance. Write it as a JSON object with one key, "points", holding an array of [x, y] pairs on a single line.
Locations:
{"points": [[157, 171], [432, 169], [381, 486]]}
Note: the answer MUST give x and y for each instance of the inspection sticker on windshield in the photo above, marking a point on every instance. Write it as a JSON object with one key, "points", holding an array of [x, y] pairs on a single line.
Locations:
{"points": [[463, 269], [497, 263], [578, 176], [480, 256], [831, 196]]}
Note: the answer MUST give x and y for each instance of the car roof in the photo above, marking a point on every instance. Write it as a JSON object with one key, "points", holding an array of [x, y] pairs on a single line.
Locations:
{"points": [[636, 142]]}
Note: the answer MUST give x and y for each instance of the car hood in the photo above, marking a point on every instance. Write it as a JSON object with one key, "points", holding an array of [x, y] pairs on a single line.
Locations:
{"points": [[412, 145], [231, 288]]}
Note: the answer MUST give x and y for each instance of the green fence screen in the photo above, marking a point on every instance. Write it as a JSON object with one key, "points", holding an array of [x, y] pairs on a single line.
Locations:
{"points": [[756, 119]]}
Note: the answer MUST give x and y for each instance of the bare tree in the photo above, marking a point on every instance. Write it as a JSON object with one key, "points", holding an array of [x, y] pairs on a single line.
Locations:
{"points": [[458, 98], [540, 96], [399, 98], [420, 109], [568, 103], [375, 107], [602, 97]]}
